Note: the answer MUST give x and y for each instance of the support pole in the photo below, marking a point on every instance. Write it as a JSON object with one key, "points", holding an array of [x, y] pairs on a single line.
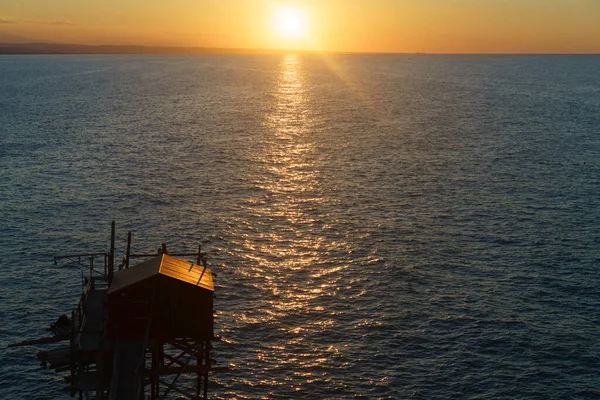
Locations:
{"points": [[111, 257], [154, 373], [199, 259], [199, 360], [206, 367], [92, 271], [127, 254]]}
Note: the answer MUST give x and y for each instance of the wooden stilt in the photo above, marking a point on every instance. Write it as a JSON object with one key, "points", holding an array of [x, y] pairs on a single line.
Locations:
{"points": [[128, 251]]}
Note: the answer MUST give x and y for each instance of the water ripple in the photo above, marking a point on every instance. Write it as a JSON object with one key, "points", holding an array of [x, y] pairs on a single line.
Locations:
{"points": [[419, 227]]}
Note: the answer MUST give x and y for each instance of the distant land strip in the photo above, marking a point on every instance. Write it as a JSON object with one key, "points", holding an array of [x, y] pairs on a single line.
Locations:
{"points": [[60, 48], [64, 48]]}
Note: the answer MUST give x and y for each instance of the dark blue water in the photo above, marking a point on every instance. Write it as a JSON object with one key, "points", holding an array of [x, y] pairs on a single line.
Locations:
{"points": [[420, 227]]}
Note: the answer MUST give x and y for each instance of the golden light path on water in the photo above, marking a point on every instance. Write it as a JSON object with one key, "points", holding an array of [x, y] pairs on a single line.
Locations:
{"points": [[289, 263], [289, 182]]}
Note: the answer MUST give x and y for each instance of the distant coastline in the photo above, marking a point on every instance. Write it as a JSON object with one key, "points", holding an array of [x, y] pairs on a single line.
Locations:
{"points": [[61, 48], [41, 48], [66, 48]]}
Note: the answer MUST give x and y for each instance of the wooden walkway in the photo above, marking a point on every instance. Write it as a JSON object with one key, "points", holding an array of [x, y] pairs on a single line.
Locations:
{"points": [[95, 316]]}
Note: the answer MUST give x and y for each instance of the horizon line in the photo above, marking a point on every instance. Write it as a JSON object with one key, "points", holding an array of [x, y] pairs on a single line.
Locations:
{"points": [[49, 48]]}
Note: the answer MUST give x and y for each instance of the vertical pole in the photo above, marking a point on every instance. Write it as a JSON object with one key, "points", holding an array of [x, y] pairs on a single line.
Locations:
{"points": [[100, 370], [128, 249], [199, 359], [72, 348], [199, 260], [92, 272], [206, 367], [161, 362], [153, 374], [111, 259]]}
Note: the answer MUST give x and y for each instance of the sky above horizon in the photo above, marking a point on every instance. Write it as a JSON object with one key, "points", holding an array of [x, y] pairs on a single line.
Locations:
{"points": [[404, 26]]}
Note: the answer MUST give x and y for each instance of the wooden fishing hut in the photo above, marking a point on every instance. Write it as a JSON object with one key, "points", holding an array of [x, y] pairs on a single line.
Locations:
{"points": [[161, 302], [139, 325]]}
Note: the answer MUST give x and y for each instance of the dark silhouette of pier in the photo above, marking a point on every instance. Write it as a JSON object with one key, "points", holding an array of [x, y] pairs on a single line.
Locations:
{"points": [[137, 328]]}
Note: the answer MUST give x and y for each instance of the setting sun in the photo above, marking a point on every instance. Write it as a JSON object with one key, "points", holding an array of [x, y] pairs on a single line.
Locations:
{"points": [[290, 22]]}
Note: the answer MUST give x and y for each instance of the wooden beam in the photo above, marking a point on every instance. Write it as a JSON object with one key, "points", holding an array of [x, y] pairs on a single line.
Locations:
{"points": [[190, 369]]}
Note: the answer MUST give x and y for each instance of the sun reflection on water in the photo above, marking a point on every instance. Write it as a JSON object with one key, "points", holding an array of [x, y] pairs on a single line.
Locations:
{"points": [[289, 262], [289, 178]]}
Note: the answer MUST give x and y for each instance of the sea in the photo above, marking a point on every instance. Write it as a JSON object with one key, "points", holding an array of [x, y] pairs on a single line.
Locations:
{"points": [[380, 226]]}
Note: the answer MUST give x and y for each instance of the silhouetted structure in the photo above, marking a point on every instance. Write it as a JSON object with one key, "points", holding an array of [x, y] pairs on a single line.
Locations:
{"points": [[137, 326]]}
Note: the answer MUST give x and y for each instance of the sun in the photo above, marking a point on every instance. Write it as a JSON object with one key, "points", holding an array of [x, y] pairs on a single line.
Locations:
{"points": [[290, 22]]}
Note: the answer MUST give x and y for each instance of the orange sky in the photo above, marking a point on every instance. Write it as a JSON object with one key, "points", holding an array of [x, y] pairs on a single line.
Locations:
{"points": [[427, 26]]}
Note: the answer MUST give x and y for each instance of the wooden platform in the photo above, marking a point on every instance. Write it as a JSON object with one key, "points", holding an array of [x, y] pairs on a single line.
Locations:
{"points": [[93, 329]]}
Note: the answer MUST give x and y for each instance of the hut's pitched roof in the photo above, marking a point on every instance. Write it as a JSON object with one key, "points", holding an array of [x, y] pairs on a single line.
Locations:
{"points": [[167, 266]]}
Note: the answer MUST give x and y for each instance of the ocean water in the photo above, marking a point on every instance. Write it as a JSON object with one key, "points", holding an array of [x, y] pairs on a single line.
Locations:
{"points": [[395, 227]]}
